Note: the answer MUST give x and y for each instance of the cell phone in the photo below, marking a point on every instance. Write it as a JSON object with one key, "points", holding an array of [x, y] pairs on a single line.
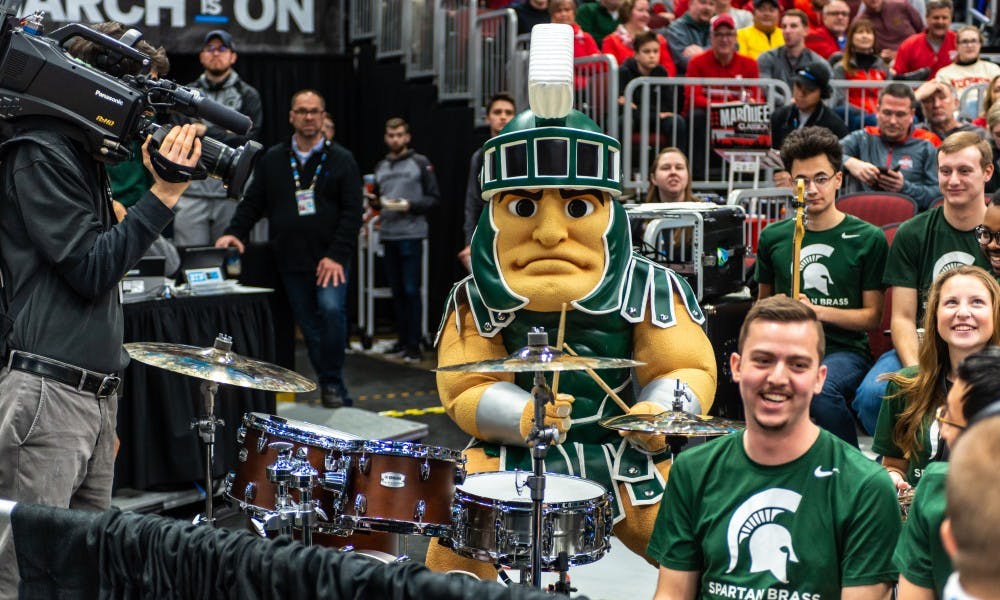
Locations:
{"points": [[886, 171]]}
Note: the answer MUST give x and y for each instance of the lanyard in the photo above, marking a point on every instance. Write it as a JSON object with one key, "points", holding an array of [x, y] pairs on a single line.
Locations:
{"points": [[294, 162]]}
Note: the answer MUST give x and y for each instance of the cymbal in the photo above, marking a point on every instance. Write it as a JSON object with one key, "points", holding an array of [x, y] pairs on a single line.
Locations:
{"points": [[221, 366], [673, 423], [541, 358]]}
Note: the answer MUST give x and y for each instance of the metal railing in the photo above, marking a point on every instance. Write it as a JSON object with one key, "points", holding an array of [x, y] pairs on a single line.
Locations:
{"points": [[852, 113], [642, 138], [390, 34], [455, 48], [763, 206], [976, 17], [418, 38], [596, 81], [365, 18], [970, 101], [494, 42]]}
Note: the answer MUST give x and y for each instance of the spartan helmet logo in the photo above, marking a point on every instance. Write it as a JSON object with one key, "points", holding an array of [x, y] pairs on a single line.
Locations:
{"points": [[815, 275], [770, 544], [951, 260]]}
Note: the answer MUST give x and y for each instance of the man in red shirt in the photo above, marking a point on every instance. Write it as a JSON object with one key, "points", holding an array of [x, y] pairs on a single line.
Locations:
{"points": [[829, 38], [934, 48], [720, 60]]}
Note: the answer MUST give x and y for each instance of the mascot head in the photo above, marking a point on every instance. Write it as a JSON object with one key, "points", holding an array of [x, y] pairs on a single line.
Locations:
{"points": [[553, 231]]}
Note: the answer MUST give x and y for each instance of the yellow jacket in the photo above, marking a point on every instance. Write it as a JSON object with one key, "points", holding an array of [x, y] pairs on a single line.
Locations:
{"points": [[753, 42]]}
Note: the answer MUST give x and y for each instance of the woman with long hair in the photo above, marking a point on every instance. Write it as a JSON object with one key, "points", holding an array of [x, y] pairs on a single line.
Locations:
{"points": [[670, 178], [991, 98], [963, 309], [860, 62], [633, 16]]}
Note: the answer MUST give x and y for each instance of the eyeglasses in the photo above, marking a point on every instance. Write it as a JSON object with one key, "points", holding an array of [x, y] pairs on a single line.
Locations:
{"points": [[216, 49], [820, 180], [838, 13], [968, 42], [724, 34], [984, 235], [941, 416], [312, 112]]}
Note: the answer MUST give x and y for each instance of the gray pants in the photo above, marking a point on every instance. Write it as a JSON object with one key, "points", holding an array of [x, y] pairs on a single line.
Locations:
{"points": [[201, 221], [56, 448]]}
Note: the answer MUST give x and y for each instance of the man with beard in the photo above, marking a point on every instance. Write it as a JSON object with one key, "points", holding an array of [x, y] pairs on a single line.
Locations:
{"points": [[204, 211], [988, 235], [934, 48], [784, 503], [940, 103], [841, 266]]}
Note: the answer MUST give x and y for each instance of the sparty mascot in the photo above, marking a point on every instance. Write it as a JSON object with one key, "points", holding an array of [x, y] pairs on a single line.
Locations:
{"points": [[554, 233]]}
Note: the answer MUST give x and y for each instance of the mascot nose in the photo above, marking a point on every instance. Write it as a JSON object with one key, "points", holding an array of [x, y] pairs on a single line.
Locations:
{"points": [[551, 229]]}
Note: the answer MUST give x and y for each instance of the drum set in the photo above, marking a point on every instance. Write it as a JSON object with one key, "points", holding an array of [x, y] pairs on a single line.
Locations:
{"points": [[332, 488]]}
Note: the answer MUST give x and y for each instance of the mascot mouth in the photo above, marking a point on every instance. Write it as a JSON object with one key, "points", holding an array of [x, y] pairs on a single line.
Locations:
{"points": [[550, 265]]}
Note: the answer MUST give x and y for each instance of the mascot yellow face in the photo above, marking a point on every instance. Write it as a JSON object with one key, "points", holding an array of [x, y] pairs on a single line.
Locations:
{"points": [[550, 243]]}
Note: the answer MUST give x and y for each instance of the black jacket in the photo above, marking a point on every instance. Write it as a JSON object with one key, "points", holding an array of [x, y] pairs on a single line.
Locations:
{"points": [[301, 241], [61, 252], [786, 120]]}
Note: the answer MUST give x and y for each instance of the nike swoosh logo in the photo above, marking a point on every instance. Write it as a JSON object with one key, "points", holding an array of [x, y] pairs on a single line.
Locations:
{"points": [[819, 473], [847, 237]]}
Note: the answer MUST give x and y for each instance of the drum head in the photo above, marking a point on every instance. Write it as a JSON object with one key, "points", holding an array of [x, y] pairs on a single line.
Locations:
{"points": [[301, 431], [511, 487]]}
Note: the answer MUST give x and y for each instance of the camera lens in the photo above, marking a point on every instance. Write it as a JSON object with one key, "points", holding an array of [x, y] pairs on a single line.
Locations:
{"points": [[232, 165]]}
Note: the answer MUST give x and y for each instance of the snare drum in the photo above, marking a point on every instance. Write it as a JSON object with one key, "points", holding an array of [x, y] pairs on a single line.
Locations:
{"points": [[492, 513], [395, 487], [248, 486]]}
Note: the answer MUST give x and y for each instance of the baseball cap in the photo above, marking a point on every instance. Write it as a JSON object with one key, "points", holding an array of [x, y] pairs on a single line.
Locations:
{"points": [[813, 77], [757, 3], [929, 88], [723, 20], [223, 36]]}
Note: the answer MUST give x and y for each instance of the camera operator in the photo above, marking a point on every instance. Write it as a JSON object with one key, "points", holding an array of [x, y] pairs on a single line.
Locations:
{"points": [[62, 257]]}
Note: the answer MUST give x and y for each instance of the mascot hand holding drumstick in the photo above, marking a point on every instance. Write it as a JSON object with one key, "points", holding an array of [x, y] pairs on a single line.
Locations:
{"points": [[554, 235]]}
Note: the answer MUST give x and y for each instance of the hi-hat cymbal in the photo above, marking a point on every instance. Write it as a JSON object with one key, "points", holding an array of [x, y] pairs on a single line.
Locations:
{"points": [[221, 366], [673, 423], [541, 358]]}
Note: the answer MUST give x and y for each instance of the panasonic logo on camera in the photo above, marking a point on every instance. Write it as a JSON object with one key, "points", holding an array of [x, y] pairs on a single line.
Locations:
{"points": [[111, 99]]}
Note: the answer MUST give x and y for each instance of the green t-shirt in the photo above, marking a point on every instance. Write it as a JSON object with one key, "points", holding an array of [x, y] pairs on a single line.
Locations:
{"points": [[827, 520], [926, 246], [130, 179], [596, 20], [920, 556], [837, 266], [888, 414]]}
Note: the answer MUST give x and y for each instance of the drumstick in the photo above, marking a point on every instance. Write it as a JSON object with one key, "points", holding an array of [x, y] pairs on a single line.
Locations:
{"points": [[560, 336], [597, 379]]}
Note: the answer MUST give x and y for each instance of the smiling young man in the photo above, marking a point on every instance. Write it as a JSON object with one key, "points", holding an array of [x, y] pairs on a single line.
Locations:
{"points": [[783, 504], [925, 246], [841, 266]]}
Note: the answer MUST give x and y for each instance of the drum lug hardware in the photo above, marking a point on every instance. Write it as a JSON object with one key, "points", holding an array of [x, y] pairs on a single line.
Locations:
{"points": [[243, 455], [460, 473], [421, 510], [261, 444], [364, 463], [360, 504], [250, 492], [335, 482], [302, 453], [319, 511], [425, 470], [548, 534], [241, 434], [500, 534], [589, 529], [229, 481]]}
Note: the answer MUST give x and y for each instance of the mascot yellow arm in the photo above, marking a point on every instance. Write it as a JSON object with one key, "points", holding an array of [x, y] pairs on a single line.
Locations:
{"points": [[460, 392], [680, 352]]}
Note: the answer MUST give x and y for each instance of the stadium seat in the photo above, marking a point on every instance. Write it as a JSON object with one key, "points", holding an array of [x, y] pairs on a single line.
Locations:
{"points": [[879, 339], [878, 208]]}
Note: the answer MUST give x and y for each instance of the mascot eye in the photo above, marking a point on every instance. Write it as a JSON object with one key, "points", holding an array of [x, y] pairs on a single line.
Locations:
{"points": [[522, 207], [578, 208]]}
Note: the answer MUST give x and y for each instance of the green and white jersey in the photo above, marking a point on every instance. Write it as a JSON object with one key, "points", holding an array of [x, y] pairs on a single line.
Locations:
{"points": [[920, 556], [802, 530], [837, 266], [883, 444], [926, 246]]}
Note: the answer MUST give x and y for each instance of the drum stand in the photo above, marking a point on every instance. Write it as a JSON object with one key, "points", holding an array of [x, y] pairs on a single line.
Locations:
{"points": [[206, 426], [287, 473]]}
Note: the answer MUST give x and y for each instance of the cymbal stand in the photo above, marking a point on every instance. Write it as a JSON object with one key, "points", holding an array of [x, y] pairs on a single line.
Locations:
{"points": [[539, 439], [280, 473], [206, 426]]}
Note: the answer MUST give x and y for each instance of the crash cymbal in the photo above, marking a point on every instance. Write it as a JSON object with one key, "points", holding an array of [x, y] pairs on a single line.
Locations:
{"points": [[673, 423], [541, 358], [219, 365]]}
